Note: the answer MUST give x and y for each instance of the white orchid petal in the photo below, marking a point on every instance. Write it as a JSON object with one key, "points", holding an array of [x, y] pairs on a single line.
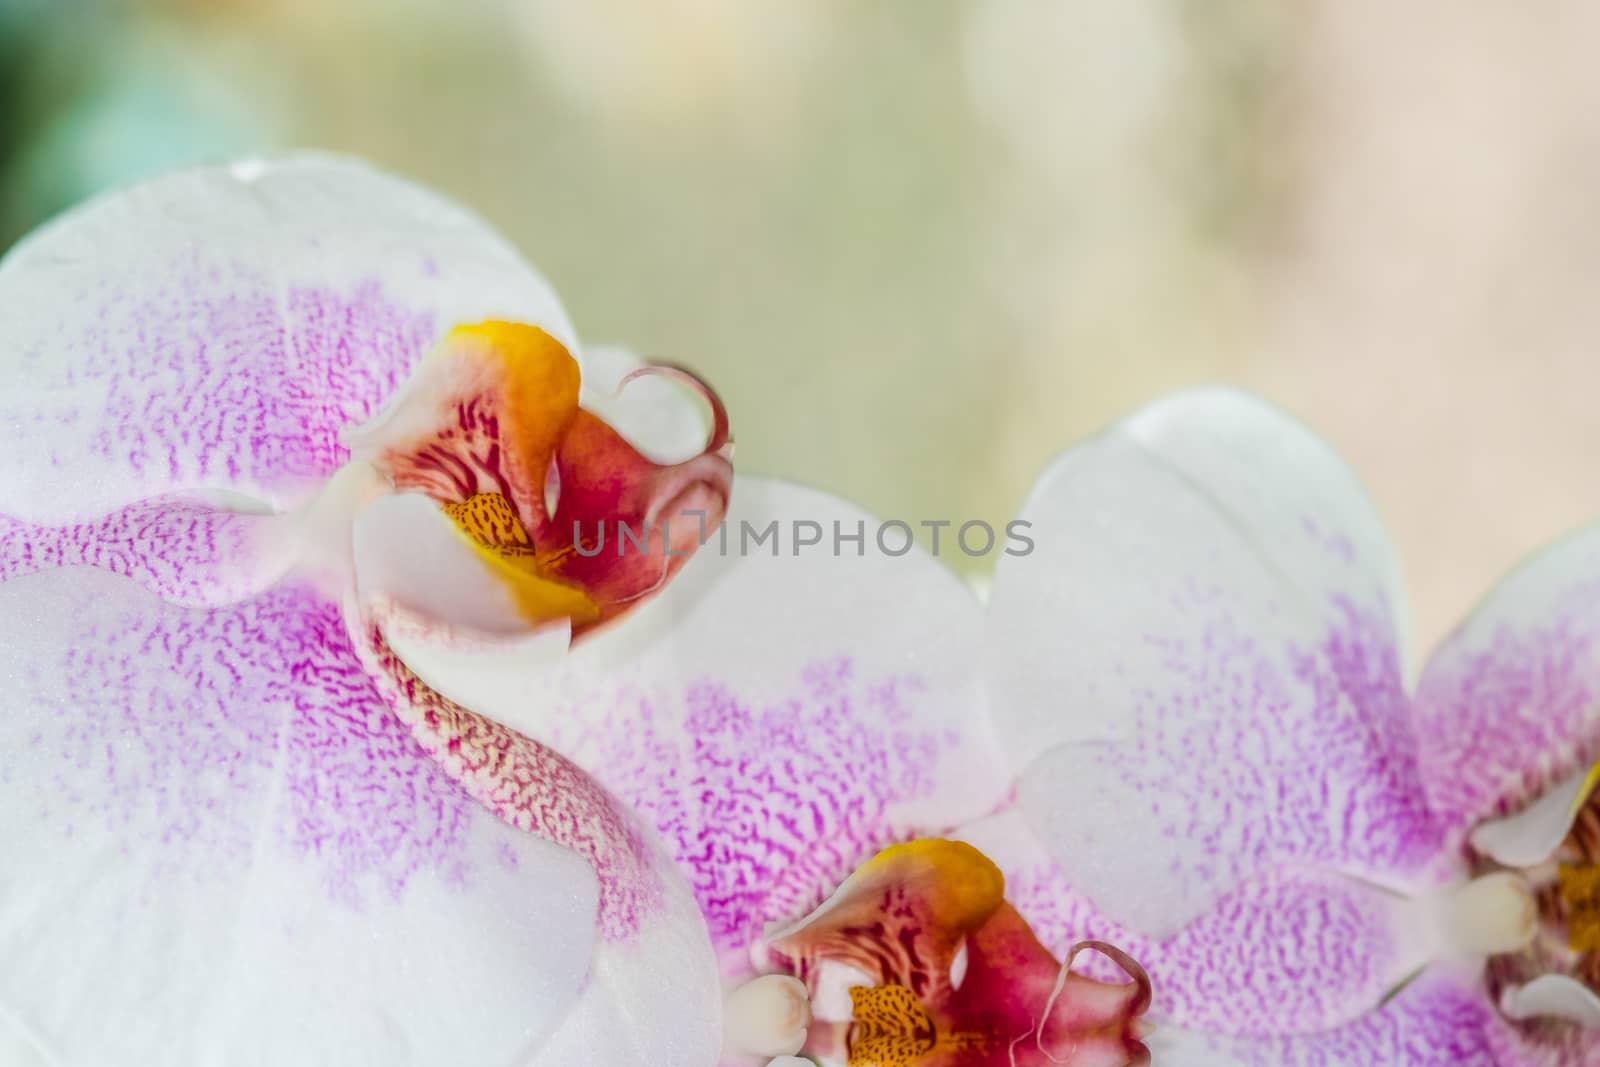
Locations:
{"points": [[1198, 664], [899, 632], [222, 846], [652, 998]]}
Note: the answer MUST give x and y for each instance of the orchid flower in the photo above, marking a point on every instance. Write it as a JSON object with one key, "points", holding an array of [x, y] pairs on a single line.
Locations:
{"points": [[338, 737], [803, 734], [256, 417], [1202, 670]]}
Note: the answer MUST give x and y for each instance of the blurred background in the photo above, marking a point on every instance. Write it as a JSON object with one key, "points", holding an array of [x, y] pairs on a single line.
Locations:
{"points": [[920, 246]]}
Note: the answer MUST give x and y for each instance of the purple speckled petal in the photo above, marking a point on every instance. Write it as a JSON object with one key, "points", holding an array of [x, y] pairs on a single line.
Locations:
{"points": [[1198, 664], [184, 547], [1286, 951], [217, 328], [221, 845], [777, 716], [1433, 1022], [1509, 705]]}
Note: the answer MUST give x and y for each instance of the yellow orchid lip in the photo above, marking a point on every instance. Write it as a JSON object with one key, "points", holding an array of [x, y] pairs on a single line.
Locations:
{"points": [[492, 430], [492, 527]]}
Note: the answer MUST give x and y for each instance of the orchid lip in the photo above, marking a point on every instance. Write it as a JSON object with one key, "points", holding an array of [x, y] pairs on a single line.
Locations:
{"points": [[491, 432], [948, 968]]}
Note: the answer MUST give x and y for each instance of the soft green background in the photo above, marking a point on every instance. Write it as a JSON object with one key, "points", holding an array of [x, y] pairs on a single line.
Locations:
{"points": [[922, 245]]}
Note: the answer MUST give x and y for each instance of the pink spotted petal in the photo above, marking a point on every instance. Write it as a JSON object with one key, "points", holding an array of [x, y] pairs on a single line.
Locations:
{"points": [[1199, 664], [778, 717], [218, 328], [221, 845], [186, 548], [1509, 705], [1286, 951], [1436, 1021]]}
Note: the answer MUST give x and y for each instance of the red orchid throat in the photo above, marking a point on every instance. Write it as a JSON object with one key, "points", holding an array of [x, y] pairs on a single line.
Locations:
{"points": [[491, 429]]}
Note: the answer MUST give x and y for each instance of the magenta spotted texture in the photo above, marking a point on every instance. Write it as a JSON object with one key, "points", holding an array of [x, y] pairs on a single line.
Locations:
{"points": [[1431, 1021], [1518, 679], [755, 798], [270, 378], [181, 547], [1306, 750], [262, 722]]}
